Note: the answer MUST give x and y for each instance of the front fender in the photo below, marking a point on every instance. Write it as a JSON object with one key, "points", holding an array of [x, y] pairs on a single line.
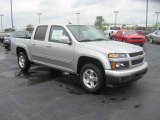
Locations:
{"points": [[93, 54]]}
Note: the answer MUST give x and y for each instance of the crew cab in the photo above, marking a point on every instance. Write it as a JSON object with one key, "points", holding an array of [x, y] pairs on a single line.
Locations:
{"points": [[129, 36], [82, 50]]}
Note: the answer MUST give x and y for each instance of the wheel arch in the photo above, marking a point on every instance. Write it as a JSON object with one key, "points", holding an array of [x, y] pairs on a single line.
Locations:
{"points": [[86, 60], [21, 49]]}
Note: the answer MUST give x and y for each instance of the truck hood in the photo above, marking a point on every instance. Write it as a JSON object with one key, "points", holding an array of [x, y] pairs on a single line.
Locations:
{"points": [[112, 47]]}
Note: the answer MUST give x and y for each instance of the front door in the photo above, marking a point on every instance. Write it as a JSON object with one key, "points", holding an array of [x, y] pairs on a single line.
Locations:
{"points": [[59, 54]]}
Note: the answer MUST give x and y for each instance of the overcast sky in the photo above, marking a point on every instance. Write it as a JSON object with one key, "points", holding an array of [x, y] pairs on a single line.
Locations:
{"points": [[62, 11]]}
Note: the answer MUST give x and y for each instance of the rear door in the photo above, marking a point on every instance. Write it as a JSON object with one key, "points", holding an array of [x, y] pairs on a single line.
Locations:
{"points": [[37, 44]]}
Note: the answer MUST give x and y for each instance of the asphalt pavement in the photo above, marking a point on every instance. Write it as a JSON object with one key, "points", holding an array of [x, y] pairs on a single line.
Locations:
{"points": [[44, 94]]}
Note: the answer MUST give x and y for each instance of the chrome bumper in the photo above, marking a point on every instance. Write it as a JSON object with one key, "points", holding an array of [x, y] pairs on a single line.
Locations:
{"points": [[122, 76]]}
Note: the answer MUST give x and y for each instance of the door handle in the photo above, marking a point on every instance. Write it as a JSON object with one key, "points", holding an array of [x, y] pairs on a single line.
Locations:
{"points": [[34, 44]]}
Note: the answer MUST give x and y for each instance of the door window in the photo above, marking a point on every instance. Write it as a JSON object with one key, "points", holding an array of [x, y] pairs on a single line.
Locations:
{"points": [[40, 33], [56, 33]]}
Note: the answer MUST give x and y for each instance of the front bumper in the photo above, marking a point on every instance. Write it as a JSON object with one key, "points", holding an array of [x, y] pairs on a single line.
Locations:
{"points": [[125, 76]]}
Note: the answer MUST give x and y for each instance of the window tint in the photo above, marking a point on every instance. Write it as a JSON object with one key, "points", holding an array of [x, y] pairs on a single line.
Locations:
{"points": [[56, 33], [40, 33]]}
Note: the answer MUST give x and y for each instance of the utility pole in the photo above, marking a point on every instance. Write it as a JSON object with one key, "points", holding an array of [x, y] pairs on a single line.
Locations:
{"points": [[78, 13], [157, 20], [39, 15], [147, 14], [116, 12], [11, 15], [1, 22]]}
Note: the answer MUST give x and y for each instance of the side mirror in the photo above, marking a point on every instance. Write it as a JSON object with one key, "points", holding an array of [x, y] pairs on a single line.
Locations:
{"points": [[65, 40]]}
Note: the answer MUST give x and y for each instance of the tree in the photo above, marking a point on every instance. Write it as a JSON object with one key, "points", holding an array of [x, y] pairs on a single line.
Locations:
{"points": [[100, 23]]}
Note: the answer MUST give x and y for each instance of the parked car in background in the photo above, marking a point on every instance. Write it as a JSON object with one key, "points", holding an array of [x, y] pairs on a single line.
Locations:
{"points": [[6, 33], [7, 41], [16, 34], [140, 30], [111, 30], [154, 37], [129, 36], [143, 30], [2, 35]]}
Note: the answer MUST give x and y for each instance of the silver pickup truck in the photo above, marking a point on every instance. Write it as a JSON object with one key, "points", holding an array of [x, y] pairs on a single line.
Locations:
{"points": [[84, 51]]}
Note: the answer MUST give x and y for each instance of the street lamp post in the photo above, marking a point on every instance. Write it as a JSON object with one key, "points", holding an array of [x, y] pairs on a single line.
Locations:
{"points": [[78, 13], [157, 19], [11, 15], [147, 14], [39, 15], [116, 12], [1, 21]]}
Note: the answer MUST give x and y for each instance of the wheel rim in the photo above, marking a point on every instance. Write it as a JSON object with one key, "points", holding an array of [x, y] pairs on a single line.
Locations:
{"points": [[21, 61], [90, 78]]}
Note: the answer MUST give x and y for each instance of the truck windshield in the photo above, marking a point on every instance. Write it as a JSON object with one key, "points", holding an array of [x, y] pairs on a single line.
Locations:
{"points": [[84, 33]]}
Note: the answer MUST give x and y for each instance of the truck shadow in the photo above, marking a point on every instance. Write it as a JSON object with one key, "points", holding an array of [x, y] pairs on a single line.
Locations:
{"points": [[39, 74]]}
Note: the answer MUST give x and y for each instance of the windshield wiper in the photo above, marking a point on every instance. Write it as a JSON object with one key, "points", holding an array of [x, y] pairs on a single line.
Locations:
{"points": [[85, 40], [88, 40], [100, 39]]}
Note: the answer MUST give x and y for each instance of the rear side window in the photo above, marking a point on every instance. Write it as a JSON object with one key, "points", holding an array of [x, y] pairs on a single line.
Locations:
{"points": [[40, 33]]}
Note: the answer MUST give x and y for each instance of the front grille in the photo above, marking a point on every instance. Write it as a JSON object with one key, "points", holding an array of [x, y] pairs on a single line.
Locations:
{"points": [[136, 38], [135, 62], [135, 54]]}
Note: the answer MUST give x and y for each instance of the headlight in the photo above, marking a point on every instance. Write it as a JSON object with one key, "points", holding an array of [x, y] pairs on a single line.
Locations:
{"points": [[117, 55], [119, 65]]}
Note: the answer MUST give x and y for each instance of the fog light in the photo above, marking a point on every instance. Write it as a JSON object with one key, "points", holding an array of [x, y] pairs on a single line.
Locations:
{"points": [[119, 65]]}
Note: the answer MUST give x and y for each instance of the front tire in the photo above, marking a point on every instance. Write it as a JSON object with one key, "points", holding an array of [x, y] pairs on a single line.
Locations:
{"points": [[92, 78], [23, 62]]}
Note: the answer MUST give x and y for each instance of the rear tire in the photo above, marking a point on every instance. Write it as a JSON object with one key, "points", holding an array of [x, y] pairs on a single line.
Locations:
{"points": [[92, 78], [23, 62]]}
